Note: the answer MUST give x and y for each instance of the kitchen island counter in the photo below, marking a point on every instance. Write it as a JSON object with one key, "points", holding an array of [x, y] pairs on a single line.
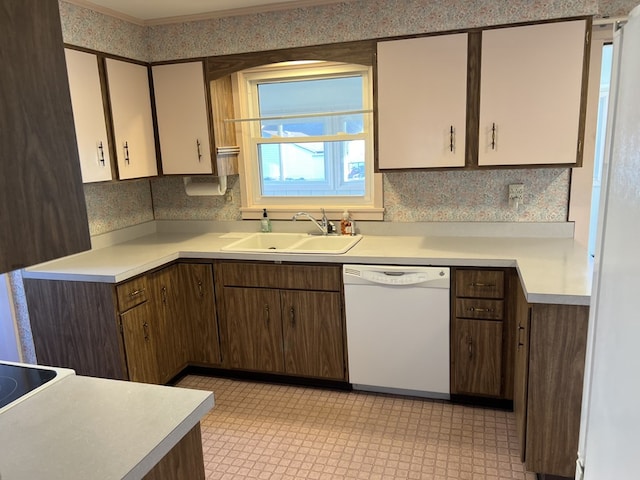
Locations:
{"points": [[552, 270], [84, 427]]}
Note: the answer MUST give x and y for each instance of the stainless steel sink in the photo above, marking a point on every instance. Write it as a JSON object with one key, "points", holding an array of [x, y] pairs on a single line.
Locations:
{"points": [[293, 243]]}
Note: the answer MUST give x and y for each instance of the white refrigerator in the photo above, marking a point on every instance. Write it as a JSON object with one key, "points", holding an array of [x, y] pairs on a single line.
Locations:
{"points": [[609, 446]]}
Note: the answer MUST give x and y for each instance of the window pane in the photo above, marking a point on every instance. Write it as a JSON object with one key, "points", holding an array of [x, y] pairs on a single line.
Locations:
{"points": [[313, 126], [305, 97], [312, 168]]}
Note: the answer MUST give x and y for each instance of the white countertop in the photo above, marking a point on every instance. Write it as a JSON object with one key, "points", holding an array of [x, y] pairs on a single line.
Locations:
{"points": [[84, 427], [552, 270]]}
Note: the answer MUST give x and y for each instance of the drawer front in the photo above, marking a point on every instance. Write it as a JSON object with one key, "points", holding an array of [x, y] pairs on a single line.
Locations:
{"points": [[480, 283], [479, 308], [293, 277], [132, 293]]}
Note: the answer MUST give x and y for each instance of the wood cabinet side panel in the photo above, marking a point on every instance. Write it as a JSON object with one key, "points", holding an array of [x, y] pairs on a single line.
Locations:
{"points": [[75, 325], [185, 461], [521, 373], [41, 192], [557, 345]]}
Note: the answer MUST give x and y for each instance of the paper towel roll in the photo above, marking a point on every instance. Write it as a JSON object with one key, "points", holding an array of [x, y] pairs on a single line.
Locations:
{"points": [[215, 188]]}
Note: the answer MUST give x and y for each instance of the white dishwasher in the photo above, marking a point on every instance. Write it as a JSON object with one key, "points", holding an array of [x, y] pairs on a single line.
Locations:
{"points": [[398, 329]]}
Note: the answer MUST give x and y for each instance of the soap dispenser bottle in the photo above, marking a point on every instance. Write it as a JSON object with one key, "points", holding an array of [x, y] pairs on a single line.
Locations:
{"points": [[345, 224], [265, 223]]}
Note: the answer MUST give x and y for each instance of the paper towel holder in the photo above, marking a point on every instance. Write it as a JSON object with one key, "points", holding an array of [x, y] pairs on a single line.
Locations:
{"points": [[217, 187]]}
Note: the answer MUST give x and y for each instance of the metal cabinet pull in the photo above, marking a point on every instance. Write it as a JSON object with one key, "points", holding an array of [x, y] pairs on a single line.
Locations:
{"points": [[101, 153], [293, 316], [266, 310], [126, 153], [451, 138], [198, 147], [137, 292], [470, 346], [520, 330], [164, 295], [493, 137], [476, 309], [145, 328], [200, 289], [482, 285]]}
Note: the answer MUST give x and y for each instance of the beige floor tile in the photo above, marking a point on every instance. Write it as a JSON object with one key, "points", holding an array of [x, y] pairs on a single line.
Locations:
{"points": [[276, 432]]}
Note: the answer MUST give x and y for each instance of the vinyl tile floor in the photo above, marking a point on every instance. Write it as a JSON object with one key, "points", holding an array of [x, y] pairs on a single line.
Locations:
{"points": [[272, 432]]}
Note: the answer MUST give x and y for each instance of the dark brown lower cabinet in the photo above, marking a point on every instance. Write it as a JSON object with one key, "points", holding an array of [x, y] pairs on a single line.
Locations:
{"points": [[285, 319], [185, 461], [549, 376], [141, 343], [312, 326], [482, 332], [478, 366], [146, 329], [254, 329]]}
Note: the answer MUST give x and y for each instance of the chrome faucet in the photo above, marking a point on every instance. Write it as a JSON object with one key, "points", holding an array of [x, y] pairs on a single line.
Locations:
{"points": [[324, 225]]}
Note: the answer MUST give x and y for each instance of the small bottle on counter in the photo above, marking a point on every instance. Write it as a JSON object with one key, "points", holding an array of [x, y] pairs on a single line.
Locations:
{"points": [[345, 224], [265, 223]]}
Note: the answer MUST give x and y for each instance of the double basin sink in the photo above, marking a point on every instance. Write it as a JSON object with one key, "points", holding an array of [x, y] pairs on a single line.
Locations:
{"points": [[293, 243]]}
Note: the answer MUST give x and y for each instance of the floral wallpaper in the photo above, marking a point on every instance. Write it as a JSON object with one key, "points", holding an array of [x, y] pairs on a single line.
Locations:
{"points": [[115, 205], [419, 196]]}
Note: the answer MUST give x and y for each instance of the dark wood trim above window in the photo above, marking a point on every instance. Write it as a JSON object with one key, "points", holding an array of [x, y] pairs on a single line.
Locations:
{"points": [[361, 53]]}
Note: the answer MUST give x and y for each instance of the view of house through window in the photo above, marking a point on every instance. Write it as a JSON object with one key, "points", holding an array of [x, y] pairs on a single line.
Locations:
{"points": [[309, 131]]}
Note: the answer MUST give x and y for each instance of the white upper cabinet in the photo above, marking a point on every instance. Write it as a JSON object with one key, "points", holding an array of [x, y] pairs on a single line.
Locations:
{"points": [[530, 94], [88, 116], [183, 125], [132, 119], [422, 102]]}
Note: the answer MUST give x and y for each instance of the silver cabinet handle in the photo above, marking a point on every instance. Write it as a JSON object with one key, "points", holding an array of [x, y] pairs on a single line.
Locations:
{"points": [[470, 346], [267, 312], [137, 292], [292, 312], [199, 153], [126, 153], [476, 309]]}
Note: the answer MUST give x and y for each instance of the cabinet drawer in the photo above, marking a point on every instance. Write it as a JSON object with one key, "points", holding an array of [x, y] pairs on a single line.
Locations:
{"points": [[479, 308], [132, 293], [293, 277], [480, 283]]}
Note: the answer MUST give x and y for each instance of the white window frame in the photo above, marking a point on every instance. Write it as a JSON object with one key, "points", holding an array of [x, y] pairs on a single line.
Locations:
{"points": [[368, 207]]}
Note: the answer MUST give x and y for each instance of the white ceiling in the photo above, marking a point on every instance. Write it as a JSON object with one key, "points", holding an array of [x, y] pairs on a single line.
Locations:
{"points": [[170, 11]]}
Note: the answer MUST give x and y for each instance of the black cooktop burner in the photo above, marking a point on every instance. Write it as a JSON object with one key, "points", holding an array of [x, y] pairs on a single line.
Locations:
{"points": [[17, 380]]}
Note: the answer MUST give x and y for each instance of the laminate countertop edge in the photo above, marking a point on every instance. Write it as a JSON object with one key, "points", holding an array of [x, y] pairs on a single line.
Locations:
{"points": [[552, 270]]}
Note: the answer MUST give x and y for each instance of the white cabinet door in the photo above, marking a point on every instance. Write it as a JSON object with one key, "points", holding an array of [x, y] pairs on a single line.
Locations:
{"points": [[132, 120], [88, 116], [422, 100], [183, 126], [531, 81]]}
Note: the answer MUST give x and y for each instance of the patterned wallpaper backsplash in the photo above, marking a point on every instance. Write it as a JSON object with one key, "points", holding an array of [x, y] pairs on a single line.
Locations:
{"points": [[419, 196], [115, 205]]}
